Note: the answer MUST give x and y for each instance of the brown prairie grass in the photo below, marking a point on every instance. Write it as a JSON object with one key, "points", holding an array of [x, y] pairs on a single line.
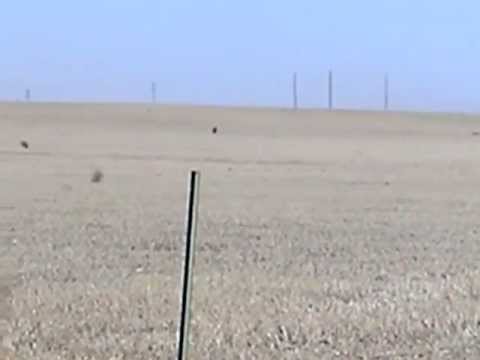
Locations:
{"points": [[337, 236]]}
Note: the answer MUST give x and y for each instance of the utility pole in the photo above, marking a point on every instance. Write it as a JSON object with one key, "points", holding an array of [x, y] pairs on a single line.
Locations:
{"points": [[295, 92], [386, 104], [330, 90], [154, 92], [27, 95]]}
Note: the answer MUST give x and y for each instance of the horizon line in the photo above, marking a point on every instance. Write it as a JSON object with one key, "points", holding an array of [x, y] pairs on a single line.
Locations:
{"points": [[236, 107]]}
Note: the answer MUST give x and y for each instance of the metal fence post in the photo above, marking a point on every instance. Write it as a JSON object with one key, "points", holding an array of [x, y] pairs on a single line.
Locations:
{"points": [[188, 263]]}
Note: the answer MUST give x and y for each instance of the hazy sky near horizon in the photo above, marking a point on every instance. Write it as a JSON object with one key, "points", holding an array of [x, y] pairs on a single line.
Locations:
{"points": [[244, 52]]}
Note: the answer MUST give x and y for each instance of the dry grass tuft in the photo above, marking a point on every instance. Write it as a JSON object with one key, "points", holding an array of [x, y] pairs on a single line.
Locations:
{"points": [[97, 176]]}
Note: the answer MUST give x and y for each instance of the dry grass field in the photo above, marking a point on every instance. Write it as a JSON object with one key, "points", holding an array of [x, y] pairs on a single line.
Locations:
{"points": [[344, 235]]}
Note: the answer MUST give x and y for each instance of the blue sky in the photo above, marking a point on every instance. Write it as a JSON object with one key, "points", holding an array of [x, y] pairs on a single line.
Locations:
{"points": [[244, 52]]}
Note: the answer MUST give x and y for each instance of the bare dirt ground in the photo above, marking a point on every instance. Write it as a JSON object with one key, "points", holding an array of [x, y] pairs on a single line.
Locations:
{"points": [[341, 235]]}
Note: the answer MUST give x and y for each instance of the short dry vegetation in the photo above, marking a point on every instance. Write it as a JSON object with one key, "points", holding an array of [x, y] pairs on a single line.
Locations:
{"points": [[303, 253]]}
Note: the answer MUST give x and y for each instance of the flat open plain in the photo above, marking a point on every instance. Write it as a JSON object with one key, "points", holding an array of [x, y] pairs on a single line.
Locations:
{"points": [[344, 235]]}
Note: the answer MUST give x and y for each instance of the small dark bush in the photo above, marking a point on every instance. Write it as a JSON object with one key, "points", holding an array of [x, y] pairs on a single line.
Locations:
{"points": [[97, 176]]}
